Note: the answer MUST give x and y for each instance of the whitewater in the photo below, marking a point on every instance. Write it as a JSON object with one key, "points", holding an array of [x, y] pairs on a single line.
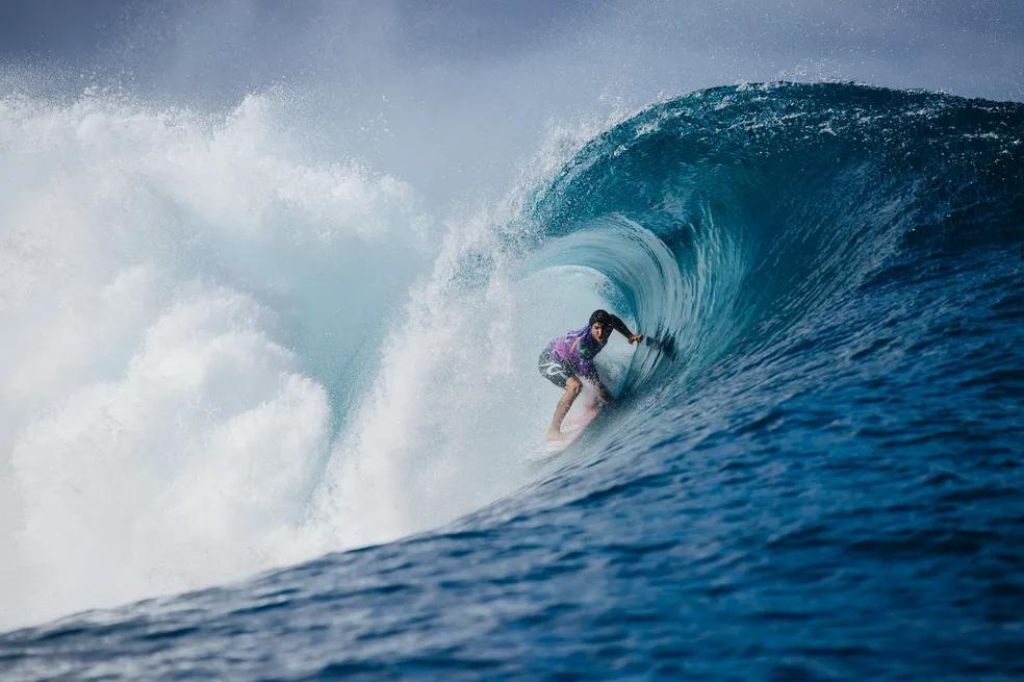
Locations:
{"points": [[212, 361], [294, 409]]}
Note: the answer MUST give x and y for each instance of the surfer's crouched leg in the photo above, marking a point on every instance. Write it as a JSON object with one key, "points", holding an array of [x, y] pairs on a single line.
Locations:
{"points": [[573, 386]]}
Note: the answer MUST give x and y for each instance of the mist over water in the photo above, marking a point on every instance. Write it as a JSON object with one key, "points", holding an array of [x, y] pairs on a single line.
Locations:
{"points": [[275, 277], [173, 335]]}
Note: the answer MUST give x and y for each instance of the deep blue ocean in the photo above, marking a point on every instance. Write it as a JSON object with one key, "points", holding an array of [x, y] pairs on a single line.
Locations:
{"points": [[814, 469]]}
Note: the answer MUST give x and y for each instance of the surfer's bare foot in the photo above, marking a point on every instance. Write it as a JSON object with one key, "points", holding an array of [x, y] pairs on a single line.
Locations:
{"points": [[555, 435]]}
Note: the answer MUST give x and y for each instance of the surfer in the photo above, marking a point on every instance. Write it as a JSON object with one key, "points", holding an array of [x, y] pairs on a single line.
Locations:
{"points": [[571, 356]]}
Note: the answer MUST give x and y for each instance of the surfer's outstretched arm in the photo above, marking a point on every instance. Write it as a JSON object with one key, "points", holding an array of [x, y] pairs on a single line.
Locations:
{"points": [[620, 326]]}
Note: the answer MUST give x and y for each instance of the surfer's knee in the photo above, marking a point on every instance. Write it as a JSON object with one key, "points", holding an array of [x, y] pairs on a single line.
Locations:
{"points": [[573, 386]]}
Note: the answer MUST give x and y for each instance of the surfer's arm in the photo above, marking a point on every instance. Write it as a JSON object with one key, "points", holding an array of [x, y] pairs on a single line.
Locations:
{"points": [[620, 326]]}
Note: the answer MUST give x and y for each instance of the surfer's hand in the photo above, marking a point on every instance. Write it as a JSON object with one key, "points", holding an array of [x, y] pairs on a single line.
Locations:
{"points": [[636, 338]]}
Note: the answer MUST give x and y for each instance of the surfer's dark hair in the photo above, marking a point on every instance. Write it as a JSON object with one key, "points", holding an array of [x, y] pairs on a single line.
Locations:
{"points": [[602, 317]]}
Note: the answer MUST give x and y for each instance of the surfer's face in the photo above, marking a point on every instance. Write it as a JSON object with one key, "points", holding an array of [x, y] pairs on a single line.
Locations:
{"points": [[599, 332]]}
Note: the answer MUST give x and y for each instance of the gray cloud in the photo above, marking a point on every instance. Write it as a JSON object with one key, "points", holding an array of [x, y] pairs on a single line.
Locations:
{"points": [[457, 92]]}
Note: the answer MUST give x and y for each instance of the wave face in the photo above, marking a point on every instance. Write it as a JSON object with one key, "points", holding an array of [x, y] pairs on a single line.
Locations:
{"points": [[813, 469]]}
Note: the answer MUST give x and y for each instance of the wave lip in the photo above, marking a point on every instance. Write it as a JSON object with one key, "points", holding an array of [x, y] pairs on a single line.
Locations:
{"points": [[776, 200]]}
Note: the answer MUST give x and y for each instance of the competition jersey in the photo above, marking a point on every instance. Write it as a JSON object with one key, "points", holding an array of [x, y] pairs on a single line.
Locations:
{"points": [[577, 349]]}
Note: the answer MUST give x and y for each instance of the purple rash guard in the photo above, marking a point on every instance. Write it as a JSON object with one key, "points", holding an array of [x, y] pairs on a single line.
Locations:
{"points": [[577, 350]]}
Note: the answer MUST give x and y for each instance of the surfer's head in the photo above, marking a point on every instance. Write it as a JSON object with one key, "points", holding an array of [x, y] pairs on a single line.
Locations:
{"points": [[600, 326]]}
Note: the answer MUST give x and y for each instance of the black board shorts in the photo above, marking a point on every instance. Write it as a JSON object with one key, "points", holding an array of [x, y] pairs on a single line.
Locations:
{"points": [[554, 370]]}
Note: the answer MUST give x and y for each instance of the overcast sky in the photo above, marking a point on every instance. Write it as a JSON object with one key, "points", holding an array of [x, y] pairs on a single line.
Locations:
{"points": [[974, 47], [473, 83]]}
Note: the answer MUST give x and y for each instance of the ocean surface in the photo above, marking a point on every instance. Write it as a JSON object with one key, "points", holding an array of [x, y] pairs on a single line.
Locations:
{"points": [[813, 469]]}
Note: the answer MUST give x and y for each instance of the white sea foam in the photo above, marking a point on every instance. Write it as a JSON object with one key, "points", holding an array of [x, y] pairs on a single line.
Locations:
{"points": [[220, 355], [166, 279]]}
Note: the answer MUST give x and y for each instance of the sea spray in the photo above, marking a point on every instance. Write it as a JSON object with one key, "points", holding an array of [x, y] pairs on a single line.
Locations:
{"points": [[179, 293]]}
